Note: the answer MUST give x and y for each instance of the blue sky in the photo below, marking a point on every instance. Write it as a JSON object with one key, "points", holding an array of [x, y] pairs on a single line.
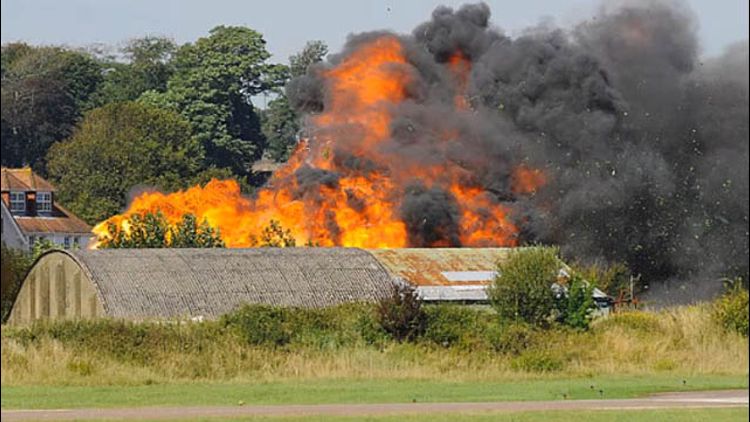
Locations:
{"points": [[287, 24]]}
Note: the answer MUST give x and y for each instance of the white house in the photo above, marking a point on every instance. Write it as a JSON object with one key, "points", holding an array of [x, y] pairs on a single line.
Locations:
{"points": [[29, 212]]}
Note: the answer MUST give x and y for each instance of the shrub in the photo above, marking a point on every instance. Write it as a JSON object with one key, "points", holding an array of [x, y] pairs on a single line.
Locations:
{"points": [[512, 338], [731, 309], [636, 321], [577, 305], [260, 324], [451, 325], [522, 290], [537, 361], [609, 278], [401, 314]]}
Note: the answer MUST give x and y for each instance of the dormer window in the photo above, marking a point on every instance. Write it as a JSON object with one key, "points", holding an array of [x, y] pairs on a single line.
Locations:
{"points": [[44, 202], [17, 202]]}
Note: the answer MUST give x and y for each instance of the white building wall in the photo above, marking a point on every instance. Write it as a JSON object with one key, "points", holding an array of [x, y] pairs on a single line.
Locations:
{"points": [[12, 235], [84, 239]]}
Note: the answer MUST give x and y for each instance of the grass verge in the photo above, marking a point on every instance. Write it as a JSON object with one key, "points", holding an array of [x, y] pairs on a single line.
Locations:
{"points": [[357, 391]]}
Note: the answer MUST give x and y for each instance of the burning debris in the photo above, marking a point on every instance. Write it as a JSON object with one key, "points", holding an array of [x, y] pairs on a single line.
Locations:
{"points": [[611, 140]]}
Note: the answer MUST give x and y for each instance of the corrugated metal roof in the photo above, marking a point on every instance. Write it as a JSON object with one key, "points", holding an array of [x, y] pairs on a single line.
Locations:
{"points": [[168, 283], [52, 225], [23, 179], [426, 266]]}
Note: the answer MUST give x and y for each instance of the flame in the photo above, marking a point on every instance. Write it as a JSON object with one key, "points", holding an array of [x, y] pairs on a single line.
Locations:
{"points": [[360, 206]]}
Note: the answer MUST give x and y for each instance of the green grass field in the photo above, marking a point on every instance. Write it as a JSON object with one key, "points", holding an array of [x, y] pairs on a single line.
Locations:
{"points": [[356, 391], [676, 415]]}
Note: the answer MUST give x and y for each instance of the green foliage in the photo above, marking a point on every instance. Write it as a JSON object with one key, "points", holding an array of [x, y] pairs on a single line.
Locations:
{"points": [[15, 264], [401, 314], [313, 52], [320, 328], [261, 324], [522, 290], [118, 147], [576, 306], [44, 92], [608, 278], [214, 79], [731, 309], [450, 325], [124, 340], [274, 236], [151, 230], [280, 125], [149, 67], [513, 338], [537, 361]]}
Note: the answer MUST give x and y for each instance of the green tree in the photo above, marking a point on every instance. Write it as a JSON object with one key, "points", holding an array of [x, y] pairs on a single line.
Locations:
{"points": [[522, 290], [214, 80], [313, 52], [44, 92], [280, 123], [280, 127], [274, 236], [151, 230], [148, 68], [118, 147]]}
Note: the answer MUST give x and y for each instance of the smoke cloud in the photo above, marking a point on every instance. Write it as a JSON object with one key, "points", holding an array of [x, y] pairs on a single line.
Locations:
{"points": [[643, 147]]}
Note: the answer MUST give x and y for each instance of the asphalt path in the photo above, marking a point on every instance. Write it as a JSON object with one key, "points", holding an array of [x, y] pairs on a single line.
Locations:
{"points": [[682, 400]]}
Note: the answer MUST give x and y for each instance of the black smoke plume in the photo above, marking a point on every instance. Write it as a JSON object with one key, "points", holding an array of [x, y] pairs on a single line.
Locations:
{"points": [[644, 145]]}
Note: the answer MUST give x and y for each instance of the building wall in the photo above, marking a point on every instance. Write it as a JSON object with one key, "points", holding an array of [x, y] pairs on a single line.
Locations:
{"points": [[56, 289], [59, 239], [11, 235]]}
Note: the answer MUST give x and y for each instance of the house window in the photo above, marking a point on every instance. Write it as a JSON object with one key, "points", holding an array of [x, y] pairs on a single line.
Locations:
{"points": [[67, 242], [77, 242], [17, 201], [32, 240], [44, 201]]}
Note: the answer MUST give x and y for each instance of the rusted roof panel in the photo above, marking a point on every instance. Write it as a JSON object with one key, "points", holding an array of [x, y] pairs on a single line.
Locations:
{"points": [[428, 266], [23, 179], [65, 224]]}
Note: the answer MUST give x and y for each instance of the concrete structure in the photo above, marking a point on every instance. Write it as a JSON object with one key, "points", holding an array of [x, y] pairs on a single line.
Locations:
{"points": [[139, 284], [29, 212]]}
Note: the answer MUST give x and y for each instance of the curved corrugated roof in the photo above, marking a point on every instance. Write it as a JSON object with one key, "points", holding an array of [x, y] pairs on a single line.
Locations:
{"points": [[166, 283]]}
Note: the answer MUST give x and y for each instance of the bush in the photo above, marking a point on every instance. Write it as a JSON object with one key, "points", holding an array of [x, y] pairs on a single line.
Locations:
{"points": [[260, 324], [513, 338], [455, 325], [522, 290], [537, 361], [731, 309], [401, 314], [577, 305]]}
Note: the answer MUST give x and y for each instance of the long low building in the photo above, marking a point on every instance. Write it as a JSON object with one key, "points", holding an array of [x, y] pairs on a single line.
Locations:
{"points": [[139, 284]]}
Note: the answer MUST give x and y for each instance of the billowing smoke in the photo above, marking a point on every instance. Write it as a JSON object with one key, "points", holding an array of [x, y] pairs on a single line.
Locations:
{"points": [[642, 147]]}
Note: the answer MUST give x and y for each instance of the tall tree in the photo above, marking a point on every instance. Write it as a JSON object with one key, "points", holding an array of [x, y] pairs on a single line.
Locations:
{"points": [[280, 122], [118, 147], [44, 92], [149, 66], [214, 80]]}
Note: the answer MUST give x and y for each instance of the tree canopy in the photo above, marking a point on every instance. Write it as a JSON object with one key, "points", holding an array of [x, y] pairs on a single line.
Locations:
{"points": [[118, 147], [212, 86], [154, 231], [44, 92]]}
